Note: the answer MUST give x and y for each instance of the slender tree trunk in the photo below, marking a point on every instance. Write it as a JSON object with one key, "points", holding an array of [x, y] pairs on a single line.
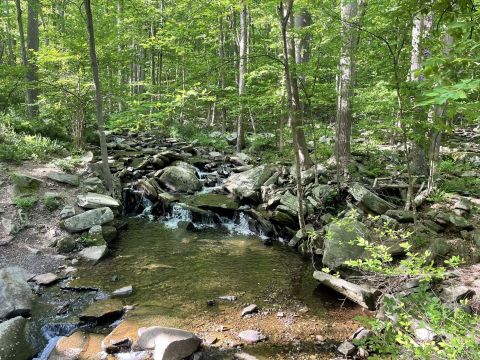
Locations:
{"points": [[8, 27], [345, 83], [33, 45], [241, 75], [98, 98], [285, 12], [296, 122]]}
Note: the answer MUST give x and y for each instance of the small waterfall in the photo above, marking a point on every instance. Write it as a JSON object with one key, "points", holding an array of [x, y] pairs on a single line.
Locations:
{"points": [[52, 333], [178, 214], [239, 226], [147, 208]]}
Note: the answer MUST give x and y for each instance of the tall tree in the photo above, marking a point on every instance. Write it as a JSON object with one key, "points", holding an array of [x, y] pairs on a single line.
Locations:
{"points": [[98, 98], [33, 45], [345, 84], [242, 69]]}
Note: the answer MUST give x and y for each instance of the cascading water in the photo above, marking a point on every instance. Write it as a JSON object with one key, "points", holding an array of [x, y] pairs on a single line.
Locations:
{"points": [[147, 208], [52, 333], [178, 214]]}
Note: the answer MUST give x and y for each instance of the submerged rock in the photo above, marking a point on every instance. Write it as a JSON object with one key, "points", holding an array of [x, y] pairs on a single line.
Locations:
{"points": [[94, 201], [103, 311], [15, 293], [93, 253], [13, 340], [88, 219], [180, 179], [169, 343], [64, 178], [252, 336]]}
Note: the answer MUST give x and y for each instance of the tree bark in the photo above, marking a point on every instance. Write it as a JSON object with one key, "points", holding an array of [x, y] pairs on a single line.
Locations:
{"points": [[33, 45], [242, 68], [345, 83], [10, 45], [285, 13], [98, 98]]}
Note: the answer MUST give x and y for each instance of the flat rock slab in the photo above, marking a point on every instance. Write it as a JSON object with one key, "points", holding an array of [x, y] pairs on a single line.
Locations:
{"points": [[252, 336], [79, 345], [13, 340], [15, 293], [95, 201], [45, 279], [169, 343], [127, 329], [250, 309], [369, 200], [102, 311], [124, 291], [93, 253], [64, 178], [86, 220]]}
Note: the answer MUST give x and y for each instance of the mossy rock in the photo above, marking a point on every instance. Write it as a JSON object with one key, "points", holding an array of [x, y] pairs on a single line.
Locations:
{"points": [[25, 184], [66, 244]]}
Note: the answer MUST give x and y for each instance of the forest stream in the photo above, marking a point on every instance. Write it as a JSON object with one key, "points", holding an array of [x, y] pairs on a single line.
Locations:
{"points": [[179, 278]]}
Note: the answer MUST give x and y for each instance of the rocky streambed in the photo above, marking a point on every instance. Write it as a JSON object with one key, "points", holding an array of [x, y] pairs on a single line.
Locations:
{"points": [[197, 240]]}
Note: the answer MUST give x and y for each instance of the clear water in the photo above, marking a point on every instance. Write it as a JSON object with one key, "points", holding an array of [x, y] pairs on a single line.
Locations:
{"points": [[175, 272]]}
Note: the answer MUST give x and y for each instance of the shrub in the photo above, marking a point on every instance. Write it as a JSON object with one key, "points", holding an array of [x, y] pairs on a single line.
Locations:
{"points": [[26, 202], [52, 203]]}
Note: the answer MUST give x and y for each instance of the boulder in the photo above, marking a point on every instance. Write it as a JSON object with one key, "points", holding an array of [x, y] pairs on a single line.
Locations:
{"points": [[369, 200], [180, 179], [94, 201], [88, 219], [10, 225], [79, 345], [337, 245], [245, 185], [169, 343], [64, 178], [66, 244], [13, 340], [15, 293], [109, 233], [347, 348], [250, 309], [93, 253], [403, 216], [214, 202]]}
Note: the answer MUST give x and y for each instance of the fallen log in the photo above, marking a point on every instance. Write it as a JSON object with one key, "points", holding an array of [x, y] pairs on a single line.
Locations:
{"points": [[363, 295]]}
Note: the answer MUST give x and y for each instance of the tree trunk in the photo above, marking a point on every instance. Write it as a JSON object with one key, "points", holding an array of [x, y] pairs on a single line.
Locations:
{"points": [[242, 67], [285, 12], [98, 98], [345, 82], [33, 45], [10, 45]]}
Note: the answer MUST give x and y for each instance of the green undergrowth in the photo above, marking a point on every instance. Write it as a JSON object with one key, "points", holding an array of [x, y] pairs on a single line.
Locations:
{"points": [[27, 202], [16, 147]]}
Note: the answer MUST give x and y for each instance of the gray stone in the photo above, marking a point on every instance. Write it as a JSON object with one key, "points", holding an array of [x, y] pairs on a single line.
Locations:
{"points": [[454, 294], [88, 219], [67, 211], [13, 340], [15, 293], [66, 244], [10, 226], [93, 253], [45, 279], [245, 185], [463, 204], [250, 309], [369, 200], [400, 215], [169, 343], [124, 291], [180, 179], [215, 202], [243, 356], [240, 159], [297, 238], [73, 180], [346, 348], [475, 236], [102, 310], [94, 201], [337, 244], [252, 336], [228, 298]]}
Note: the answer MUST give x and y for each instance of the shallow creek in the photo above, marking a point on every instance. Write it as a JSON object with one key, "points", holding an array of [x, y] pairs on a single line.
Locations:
{"points": [[174, 272]]}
